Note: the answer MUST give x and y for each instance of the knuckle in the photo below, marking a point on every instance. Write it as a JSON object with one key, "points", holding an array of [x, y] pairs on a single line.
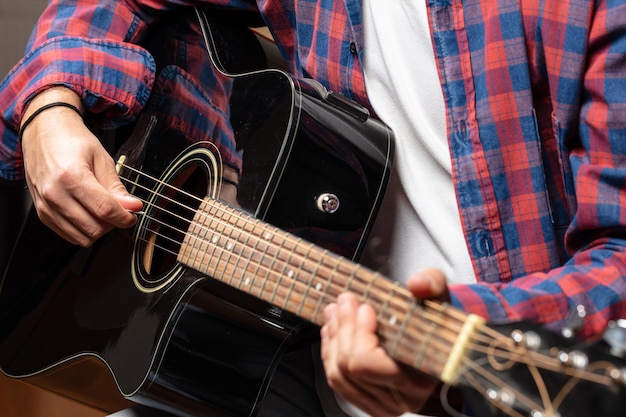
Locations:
{"points": [[105, 209], [333, 378], [354, 367], [94, 232]]}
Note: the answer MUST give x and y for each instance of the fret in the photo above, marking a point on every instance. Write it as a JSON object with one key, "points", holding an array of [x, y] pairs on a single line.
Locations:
{"points": [[319, 287], [382, 312], [230, 243], [193, 243], [201, 239], [401, 331], [247, 281], [266, 262], [242, 251], [184, 256], [349, 282], [253, 250], [210, 220], [331, 278], [273, 272], [426, 342], [366, 294], [290, 274], [272, 260], [300, 277], [269, 269], [309, 280], [219, 241], [199, 244]]}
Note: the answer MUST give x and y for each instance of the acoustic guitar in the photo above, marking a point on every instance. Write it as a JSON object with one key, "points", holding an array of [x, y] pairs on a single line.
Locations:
{"points": [[191, 311]]}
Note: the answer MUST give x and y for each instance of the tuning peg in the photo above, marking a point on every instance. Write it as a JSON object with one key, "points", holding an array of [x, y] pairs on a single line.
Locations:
{"points": [[574, 321], [574, 359], [618, 376], [615, 336], [529, 339], [501, 396], [537, 413]]}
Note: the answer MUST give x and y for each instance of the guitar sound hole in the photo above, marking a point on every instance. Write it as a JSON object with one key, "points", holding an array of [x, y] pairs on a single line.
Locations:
{"points": [[169, 219]]}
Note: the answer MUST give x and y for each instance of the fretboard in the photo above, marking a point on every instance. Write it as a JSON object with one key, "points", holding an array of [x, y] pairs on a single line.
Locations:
{"points": [[302, 278]]}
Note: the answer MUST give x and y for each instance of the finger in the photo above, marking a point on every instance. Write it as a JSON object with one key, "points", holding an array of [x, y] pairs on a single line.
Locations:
{"points": [[117, 203], [63, 222], [327, 332], [68, 231], [77, 206], [429, 284], [347, 305], [361, 370]]}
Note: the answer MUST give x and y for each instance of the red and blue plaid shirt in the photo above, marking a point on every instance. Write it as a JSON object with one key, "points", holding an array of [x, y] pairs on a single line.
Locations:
{"points": [[535, 94]]}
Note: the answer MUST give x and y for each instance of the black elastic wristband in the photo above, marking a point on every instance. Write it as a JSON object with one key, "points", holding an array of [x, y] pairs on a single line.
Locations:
{"points": [[42, 109], [231, 182]]}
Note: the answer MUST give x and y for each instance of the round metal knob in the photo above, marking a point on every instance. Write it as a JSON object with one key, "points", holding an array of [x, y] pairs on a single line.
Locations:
{"points": [[328, 203]]}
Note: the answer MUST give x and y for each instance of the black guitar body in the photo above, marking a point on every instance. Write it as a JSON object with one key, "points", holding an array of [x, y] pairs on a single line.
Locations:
{"points": [[124, 317]]}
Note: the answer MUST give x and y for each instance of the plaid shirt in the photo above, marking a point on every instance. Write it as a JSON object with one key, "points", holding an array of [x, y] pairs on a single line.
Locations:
{"points": [[536, 114]]}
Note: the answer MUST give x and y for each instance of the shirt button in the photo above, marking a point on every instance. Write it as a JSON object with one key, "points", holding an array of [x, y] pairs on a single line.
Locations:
{"points": [[353, 49]]}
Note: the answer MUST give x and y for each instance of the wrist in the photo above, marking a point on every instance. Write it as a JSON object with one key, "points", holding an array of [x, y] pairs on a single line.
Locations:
{"points": [[57, 104], [56, 94], [48, 100]]}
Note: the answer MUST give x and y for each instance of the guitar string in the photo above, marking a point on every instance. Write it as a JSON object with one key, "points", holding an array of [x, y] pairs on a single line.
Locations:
{"points": [[299, 283], [498, 335], [189, 208], [182, 232], [219, 248], [477, 385], [176, 202], [549, 406], [174, 214]]}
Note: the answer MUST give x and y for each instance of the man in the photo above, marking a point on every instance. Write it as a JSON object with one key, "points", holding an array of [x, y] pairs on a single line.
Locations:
{"points": [[510, 169]]}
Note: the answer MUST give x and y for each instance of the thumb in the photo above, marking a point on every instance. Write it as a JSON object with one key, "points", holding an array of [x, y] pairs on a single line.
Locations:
{"points": [[106, 174], [126, 200], [429, 283]]}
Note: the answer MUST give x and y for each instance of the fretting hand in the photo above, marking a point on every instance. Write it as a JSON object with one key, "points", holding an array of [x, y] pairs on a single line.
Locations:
{"points": [[359, 369]]}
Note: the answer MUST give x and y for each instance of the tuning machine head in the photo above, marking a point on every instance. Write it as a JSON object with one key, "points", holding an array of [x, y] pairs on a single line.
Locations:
{"points": [[615, 336]]}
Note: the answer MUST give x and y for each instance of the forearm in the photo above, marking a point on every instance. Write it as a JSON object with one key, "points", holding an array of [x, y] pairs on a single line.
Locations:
{"points": [[593, 279]]}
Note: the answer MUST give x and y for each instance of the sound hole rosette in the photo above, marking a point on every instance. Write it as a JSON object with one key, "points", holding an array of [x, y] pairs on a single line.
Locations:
{"points": [[167, 214]]}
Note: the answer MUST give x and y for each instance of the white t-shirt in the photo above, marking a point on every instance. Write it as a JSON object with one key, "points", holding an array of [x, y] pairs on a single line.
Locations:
{"points": [[419, 225]]}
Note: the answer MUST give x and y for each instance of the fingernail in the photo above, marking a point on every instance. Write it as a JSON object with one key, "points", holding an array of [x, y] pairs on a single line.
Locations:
{"points": [[342, 299]]}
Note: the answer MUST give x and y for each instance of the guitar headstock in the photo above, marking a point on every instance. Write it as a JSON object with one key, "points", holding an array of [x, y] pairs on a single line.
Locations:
{"points": [[519, 369]]}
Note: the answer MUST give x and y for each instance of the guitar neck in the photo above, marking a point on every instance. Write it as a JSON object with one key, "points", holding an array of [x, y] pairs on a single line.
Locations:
{"points": [[288, 272]]}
